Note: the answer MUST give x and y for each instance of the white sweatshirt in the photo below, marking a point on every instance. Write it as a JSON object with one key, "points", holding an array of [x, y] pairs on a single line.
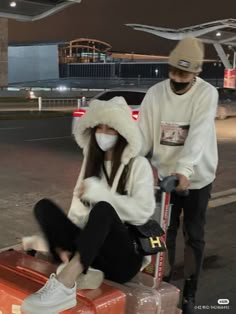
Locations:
{"points": [[136, 207], [179, 130]]}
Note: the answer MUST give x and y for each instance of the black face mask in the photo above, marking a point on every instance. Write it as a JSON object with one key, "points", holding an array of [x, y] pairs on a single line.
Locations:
{"points": [[178, 86]]}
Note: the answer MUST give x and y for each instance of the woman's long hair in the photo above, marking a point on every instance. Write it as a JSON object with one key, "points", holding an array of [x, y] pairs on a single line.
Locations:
{"points": [[95, 161]]}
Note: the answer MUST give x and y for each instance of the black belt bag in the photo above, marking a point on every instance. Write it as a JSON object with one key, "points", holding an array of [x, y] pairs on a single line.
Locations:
{"points": [[148, 237]]}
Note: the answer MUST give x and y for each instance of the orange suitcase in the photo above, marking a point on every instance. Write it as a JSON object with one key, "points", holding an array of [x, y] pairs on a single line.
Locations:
{"points": [[21, 275]]}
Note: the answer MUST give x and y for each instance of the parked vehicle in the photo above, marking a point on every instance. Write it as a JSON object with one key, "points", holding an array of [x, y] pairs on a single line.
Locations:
{"points": [[227, 103], [133, 97]]}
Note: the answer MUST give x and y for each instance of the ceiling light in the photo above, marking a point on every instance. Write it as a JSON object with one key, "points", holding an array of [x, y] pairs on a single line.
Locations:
{"points": [[13, 4]]}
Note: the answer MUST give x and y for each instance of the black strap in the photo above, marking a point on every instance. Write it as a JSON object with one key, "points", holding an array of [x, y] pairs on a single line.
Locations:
{"points": [[106, 174], [126, 169]]}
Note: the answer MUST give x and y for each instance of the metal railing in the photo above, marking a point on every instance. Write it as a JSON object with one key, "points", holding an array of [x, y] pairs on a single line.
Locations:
{"points": [[53, 103]]}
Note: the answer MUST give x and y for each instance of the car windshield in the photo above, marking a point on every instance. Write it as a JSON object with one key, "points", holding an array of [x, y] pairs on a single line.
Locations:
{"points": [[133, 98]]}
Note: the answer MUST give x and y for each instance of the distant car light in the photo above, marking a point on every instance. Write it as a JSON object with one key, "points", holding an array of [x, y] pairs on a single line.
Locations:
{"points": [[32, 95], [79, 113], [62, 88]]}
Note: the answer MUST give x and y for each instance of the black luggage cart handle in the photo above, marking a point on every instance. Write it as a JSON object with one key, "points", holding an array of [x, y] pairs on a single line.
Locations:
{"points": [[169, 184]]}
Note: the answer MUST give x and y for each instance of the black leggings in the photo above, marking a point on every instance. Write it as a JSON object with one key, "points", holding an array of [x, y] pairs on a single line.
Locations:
{"points": [[104, 243]]}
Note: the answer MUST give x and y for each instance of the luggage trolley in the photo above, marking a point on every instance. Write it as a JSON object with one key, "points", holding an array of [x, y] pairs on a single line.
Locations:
{"points": [[162, 215]]}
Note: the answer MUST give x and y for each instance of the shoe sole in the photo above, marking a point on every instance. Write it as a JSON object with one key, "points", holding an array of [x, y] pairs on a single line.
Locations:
{"points": [[27, 309]]}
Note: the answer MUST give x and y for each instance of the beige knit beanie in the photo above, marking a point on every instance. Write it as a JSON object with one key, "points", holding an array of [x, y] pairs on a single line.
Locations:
{"points": [[188, 55]]}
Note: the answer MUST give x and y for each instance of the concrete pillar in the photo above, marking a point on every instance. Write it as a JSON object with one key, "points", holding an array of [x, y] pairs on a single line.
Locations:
{"points": [[3, 52]]}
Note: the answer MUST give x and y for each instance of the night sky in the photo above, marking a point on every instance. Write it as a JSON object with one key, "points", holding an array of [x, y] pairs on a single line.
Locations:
{"points": [[105, 19]]}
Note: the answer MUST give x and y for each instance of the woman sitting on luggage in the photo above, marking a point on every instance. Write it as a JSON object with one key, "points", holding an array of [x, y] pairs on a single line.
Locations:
{"points": [[115, 186]]}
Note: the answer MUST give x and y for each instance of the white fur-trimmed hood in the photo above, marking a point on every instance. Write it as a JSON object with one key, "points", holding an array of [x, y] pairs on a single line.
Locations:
{"points": [[117, 114]]}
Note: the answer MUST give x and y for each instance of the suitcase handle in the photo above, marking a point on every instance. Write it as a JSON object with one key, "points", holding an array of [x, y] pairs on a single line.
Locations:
{"points": [[32, 272], [27, 273]]}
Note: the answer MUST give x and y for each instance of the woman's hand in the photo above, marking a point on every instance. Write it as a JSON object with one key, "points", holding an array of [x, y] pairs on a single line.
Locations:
{"points": [[95, 190], [64, 255]]}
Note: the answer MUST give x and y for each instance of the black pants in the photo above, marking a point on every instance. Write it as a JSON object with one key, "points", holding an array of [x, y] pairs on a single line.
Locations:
{"points": [[194, 208], [104, 243]]}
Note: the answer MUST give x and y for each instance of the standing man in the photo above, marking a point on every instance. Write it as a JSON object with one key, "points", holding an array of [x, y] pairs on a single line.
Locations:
{"points": [[177, 122]]}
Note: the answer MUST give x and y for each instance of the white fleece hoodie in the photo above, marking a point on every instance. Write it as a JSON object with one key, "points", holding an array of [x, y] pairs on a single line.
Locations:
{"points": [[180, 131], [136, 207], [139, 204]]}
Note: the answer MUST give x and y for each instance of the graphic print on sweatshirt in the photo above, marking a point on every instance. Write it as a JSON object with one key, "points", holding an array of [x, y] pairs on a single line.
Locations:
{"points": [[174, 133]]}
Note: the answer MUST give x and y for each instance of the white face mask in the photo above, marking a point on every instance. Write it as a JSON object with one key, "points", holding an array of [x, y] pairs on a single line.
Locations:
{"points": [[106, 141]]}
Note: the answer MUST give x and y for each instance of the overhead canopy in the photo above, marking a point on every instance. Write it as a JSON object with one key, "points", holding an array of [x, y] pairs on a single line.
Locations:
{"points": [[218, 33], [31, 10], [221, 32]]}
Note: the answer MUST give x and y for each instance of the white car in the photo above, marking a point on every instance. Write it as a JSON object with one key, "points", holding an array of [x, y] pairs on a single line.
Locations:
{"points": [[133, 97]]}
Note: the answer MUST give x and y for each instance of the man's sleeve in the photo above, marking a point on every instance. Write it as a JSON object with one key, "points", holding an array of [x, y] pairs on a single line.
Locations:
{"points": [[145, 122]]}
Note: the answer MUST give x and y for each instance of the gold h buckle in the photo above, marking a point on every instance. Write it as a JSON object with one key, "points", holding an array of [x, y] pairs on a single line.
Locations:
{"points": [[155, 242]]}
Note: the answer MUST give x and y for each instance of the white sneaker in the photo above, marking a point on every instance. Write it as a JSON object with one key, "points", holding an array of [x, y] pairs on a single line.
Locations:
{"points": [[53, 297], [92, 280]]}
